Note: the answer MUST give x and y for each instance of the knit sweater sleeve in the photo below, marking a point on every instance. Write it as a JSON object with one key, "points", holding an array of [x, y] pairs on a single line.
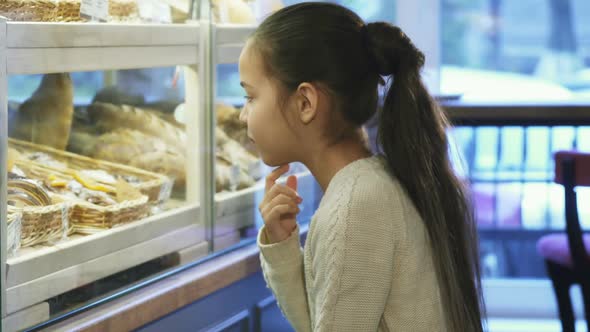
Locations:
{"points": [[282, 267], [355, 261]]}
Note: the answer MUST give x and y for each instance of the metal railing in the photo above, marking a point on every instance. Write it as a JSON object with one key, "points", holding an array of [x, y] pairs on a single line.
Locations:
{"points": [[506, 153]]}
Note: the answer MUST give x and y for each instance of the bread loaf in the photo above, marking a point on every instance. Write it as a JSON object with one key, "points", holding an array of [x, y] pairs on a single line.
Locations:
{"points": [[134, 148], [46, 117], [109, 117]]}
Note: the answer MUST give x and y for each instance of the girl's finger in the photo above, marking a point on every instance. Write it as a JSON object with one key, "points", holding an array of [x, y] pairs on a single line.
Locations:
{"points": [[280, 189], [280, 199], [283, 199], [274, 176], [292, 182], [279, 210]]}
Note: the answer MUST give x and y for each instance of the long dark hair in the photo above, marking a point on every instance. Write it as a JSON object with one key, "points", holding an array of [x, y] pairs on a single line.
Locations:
{"points": [[331, 45]]}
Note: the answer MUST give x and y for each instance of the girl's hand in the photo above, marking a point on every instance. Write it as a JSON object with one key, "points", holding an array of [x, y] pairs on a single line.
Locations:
{"points": [[279, 206]]}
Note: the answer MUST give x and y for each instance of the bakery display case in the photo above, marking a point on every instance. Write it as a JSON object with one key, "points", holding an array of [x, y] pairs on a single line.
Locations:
{"points": [[119, 160], [99, 162]]}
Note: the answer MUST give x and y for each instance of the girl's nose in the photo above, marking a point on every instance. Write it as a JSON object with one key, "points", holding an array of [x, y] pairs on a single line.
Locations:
{"points": [[244, 115]]}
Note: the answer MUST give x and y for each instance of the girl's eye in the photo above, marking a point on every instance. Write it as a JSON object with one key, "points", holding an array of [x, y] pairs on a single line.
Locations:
{"points": [[248, 98]]}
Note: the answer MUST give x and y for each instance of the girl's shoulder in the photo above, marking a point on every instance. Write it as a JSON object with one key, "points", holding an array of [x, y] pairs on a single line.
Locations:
{"points": [[366, 200], [364, 187], [365, 180]]}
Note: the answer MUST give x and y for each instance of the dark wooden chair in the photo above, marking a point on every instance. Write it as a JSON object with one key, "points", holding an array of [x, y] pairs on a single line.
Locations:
{"points": [[567, 255]]}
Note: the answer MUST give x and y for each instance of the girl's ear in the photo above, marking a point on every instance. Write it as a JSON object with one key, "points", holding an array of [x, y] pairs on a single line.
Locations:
{"points": [[307, 98]]}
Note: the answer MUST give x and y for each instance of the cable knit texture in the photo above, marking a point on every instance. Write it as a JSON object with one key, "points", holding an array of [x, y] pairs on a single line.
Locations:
{"points": [[367, 263]]}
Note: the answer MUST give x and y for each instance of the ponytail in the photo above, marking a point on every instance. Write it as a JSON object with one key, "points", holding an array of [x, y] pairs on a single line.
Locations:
{"points": [[412, 137]]}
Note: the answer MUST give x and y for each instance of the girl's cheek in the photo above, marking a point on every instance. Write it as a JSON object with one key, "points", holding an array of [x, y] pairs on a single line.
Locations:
{"points": [[253, 124], [244, 114]]}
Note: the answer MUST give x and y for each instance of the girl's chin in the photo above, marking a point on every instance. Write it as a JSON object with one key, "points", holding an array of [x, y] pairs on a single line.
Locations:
{"points": [[272, 162]]}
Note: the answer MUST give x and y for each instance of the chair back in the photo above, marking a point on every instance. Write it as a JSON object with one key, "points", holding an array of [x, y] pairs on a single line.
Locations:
{"points": [[572, 169], [582, 167]]}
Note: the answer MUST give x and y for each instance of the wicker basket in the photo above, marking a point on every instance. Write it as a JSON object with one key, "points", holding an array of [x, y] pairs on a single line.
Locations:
{"points": [[156, 187], [62, 10], [85, 217], [88, 218], [13, 230], [41, 224]]}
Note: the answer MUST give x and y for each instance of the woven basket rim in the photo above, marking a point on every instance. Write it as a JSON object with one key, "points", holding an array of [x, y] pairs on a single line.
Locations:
{"points": [[43, 148], [143, 199], [56, 206]]}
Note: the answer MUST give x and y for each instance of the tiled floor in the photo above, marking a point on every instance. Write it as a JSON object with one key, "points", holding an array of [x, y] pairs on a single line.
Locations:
{"points": [[523, 325]]}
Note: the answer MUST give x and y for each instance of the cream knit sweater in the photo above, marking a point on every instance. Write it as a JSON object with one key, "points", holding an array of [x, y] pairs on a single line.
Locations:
{"points": [[367, 264]]}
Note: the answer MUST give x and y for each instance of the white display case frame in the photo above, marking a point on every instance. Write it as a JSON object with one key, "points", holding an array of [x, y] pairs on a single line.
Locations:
{"points": [[35, 275]]}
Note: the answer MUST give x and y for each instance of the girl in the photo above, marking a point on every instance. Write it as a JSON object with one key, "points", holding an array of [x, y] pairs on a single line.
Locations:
{"points": [[392, 246]]}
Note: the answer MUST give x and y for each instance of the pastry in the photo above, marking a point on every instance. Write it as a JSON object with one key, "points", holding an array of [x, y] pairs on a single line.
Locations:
{"points": [[151, 140], [233, 152], [46, 117], [62, 10], [109, 117], [75, 189], [12, 157], [134, 148], [233, 11], [82, 142], [228, 119], [230, 177], [115, 95]]}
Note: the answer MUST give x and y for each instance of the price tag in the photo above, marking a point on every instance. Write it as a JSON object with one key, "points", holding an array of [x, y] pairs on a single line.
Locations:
{"points": [[95, 9], [162, 12], [146, 10], [154, 11]]}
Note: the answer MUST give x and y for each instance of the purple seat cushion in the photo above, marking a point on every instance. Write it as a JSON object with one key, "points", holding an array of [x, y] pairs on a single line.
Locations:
{"points": [[554, 247]]}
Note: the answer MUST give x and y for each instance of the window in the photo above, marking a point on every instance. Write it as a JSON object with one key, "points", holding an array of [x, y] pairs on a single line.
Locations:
{"points": [[516, 50]]}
